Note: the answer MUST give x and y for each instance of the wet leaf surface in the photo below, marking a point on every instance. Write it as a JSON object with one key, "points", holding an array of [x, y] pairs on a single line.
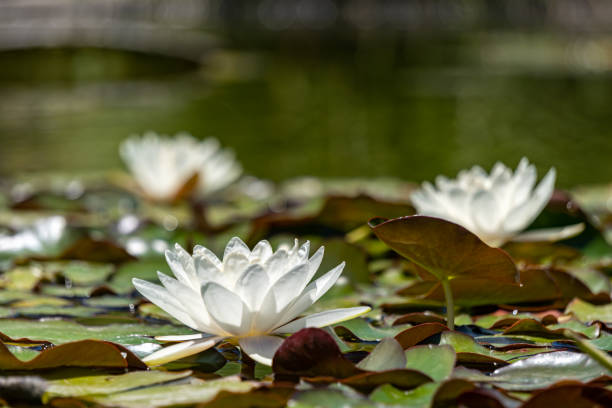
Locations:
{"points": [[71, 319]]}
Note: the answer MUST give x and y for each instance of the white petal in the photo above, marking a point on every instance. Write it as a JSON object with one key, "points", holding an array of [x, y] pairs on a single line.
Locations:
{"points": [[299, 305], [520, 217], [323, 319], [276, 265], [260, 348], [252, 286], [180, 350], [162, 298], [315, 261], [325, 282], [295, 254], [199, 250], [182, 267], [290, 285], [304, 251], [550, 234], [233, 265], [191, 301], [235, 245], [225, 307], [311, 294], [485, 212], [261, 252], [443, 183], [206, 269], [387, 355], [266, 318], [524, 180], [183, 337]]}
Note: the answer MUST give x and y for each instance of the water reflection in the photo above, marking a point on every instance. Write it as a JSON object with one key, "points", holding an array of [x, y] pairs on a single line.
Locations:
{"points": [[409, 110]]}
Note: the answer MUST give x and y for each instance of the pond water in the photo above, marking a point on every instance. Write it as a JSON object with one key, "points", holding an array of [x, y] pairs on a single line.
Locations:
{"points": [[378, 109]]}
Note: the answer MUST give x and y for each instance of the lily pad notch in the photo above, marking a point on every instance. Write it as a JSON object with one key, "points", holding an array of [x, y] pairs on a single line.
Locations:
{"points": [[446, 251]]}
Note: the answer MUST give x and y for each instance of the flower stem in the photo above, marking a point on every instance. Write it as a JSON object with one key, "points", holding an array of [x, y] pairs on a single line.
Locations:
{"points": [[450, 304], [247, 370]]}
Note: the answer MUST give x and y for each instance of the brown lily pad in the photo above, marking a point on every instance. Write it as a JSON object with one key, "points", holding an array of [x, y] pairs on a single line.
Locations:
{"points": [[401, 378], [338, 215], [446, 250], [577, 394], [414, 335], [84, 353], [89, 249], [538, 285]]}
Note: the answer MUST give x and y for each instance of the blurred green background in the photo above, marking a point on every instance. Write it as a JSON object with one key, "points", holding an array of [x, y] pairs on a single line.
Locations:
{"points": [[323, 88]]}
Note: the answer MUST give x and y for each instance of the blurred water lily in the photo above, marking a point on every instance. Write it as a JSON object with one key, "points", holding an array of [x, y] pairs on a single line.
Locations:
{"points": [[251, 296], [166, 167], [42, 238], [495, 206]]}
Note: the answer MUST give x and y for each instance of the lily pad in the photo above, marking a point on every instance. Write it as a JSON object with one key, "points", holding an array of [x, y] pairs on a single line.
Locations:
{"points": [[541, 371], [84, 353], [194, 392], [587, 312], [444, 249], [108, 384]]}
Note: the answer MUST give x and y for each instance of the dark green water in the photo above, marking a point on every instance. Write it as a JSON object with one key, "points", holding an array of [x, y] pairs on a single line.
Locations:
{"points": [[430, 108]]}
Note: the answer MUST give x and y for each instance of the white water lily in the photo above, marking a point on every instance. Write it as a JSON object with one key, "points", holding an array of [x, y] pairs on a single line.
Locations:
{"points": [[42, 238], [162, 165], [495, 206], [251, 296]]}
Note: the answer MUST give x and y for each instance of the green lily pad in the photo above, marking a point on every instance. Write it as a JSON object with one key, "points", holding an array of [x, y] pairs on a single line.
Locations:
{"points": [[435, 361], [194, 392], [387, 355], [471, 353], [541, 371], [420, 397], [108, 384], [587, 312], [63, 331], [360, 328]]}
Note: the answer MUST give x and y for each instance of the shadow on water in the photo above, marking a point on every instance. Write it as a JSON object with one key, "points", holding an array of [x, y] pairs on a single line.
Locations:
{"points": [[430, 106]]}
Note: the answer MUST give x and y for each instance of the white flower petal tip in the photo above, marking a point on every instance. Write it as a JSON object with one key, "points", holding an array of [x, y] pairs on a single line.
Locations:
{"points": [[495, 206], [180, 350], [250, 295], [260, 348], [323, 319], [181, 337], [164, 167], [550, 234]]}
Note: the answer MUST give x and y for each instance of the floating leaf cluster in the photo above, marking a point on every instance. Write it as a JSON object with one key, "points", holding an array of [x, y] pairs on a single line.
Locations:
{"points": [[529, 324]]}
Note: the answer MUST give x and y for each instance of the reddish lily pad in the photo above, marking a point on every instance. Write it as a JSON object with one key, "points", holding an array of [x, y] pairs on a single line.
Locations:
{"points": [[577, 394], [312, 352]]}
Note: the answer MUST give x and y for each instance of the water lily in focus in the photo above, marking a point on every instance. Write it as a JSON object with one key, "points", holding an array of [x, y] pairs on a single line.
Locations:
{"points": [[497, 206], [167, 167], [251, 296]]}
